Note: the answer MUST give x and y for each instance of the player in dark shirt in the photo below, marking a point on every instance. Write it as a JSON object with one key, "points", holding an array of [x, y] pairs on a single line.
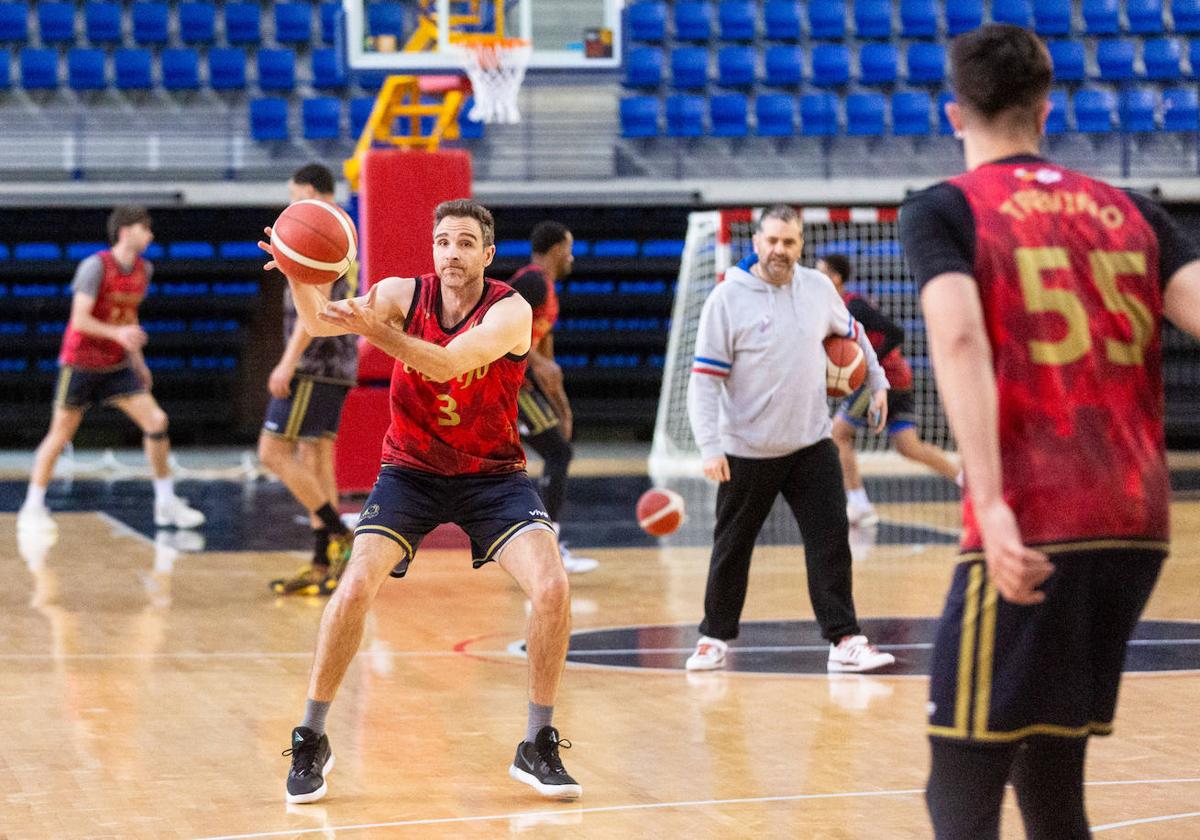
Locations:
{"points": [[1044, 293]]}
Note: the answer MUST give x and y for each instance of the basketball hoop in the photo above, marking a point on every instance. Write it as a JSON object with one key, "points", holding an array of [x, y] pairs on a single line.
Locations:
{"points": [[496, 67]]}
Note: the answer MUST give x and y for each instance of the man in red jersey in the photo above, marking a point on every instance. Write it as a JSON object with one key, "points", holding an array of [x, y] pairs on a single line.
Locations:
{"points": [[101, 361], [452, 454], [1044, 293]]}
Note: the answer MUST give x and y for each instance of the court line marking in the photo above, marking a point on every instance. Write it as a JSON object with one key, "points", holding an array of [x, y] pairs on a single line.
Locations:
{"points": [[1144, 821], [121, 529]]}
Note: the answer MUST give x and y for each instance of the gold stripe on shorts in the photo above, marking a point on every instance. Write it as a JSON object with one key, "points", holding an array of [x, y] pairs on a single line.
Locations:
{"points": [[64, 385], [299, 409]]}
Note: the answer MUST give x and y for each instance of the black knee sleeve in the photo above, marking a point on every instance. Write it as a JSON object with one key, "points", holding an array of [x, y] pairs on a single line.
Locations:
{"points": [[155, 435], [966, 789], [1047, 774]]}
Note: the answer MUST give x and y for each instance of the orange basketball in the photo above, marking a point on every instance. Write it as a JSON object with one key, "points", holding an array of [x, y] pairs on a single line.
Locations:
{"points": [[845, 366], [660, 511], [314, 242]]}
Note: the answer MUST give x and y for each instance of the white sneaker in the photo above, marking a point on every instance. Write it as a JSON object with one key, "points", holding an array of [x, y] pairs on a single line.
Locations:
{"points": [[174, 512], [35, 519], [576, 565], [709, 655], [862, 516], [856, 654]]}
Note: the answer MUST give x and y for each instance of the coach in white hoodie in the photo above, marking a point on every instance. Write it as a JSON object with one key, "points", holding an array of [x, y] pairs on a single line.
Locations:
{"points": [[759, 414]]}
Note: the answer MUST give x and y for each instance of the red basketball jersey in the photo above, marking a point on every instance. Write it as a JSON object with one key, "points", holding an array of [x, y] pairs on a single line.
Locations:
{"points": [[465, 426], [895, 366], [117, 304], [545, 315], [1068, 274]]}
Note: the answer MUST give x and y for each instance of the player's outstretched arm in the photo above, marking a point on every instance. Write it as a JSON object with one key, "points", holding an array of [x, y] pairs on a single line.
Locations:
{"points": [[1181, 301]]}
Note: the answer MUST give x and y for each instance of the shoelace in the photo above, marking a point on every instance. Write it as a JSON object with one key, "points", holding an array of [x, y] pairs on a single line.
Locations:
{"points": [[550, 756], [306, 756]]}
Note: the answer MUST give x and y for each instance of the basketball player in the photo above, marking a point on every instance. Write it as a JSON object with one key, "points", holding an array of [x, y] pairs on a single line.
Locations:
{"points": [[543, 411], [757, 404], [101, 361], [452, 454], [1044, 293], [886, 337], [308, 387]]}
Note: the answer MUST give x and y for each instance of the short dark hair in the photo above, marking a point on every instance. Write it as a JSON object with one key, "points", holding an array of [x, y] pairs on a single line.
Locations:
{"points": [[840, 264], [999, 69], [546, 235], [466, 208], [315, 175], [778, 211], [125, 216]]}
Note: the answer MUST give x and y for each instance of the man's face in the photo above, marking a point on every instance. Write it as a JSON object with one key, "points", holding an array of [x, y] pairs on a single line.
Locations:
{"points": [[778, 245], [564, 261], [139, 236], [299, 192], [459, 255], [824, 268]]}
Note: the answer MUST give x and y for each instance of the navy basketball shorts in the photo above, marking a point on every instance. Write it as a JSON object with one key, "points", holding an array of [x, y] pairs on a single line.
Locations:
{"points": [[534, 412], [405, 505], [79, 388], [313, 411], [902, 410], [1002, 672]]}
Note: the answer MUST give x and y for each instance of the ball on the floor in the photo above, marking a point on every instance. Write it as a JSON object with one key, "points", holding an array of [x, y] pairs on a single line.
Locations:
{"points": [[660, 511], [314, 242], [845, 366]]}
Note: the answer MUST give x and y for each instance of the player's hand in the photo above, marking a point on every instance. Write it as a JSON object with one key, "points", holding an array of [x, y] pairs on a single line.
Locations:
{"points": [[1016, 570], [279, 383], [352, 316], [131, 337], [877, 414], [717, 468], [266, 246]]}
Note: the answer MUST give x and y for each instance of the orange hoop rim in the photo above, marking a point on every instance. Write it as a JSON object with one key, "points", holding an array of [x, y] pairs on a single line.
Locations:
{"points": [[500, 43]]}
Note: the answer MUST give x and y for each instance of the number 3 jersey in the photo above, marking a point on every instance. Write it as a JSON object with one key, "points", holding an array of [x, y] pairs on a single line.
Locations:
{"points": [[467, 426], [1070, 274]]}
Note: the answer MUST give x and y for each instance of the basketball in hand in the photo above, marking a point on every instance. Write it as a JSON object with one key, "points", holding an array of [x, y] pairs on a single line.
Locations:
{"points": [[845, 366], [314, 242]]}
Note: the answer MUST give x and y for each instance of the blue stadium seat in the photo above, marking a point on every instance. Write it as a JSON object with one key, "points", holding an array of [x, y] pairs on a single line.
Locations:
{"points": [[1069, 60], [1145, 16], [1056, 122], [293, 23], [56, 22], [926, 63], [14, 23], [784, 66], [1094, 111], [43, 251], [639, 116], [615, 248], [197, 23], [1137, 110], [77, 251], [943, 121], [1016, 12], [322, 117], [132, 69], [227, 68], [689, 67], [39, 69], [1185, 13], [277, 69], [818, 115], [191, 251], [648, 21], [371, 80], [735, 66], [727, 114], [827, 19], [360, 113], [877, 64], [910, 113], [735, 19], [1181, 109], [327, 70], [693, 21], [243, 22], [5, 70], [1101, 17], [963, 16], [150, 23], [1162, 57], [830, 65], [513, 249], [776, 115], [781, 20], [469, 129], [85, 69], [918, 18], [662, 249], [181, 69], [873, 18], [102, 22], [685, 116], [330, 13], [864, 114], [643, 67], [269, 119], [1114, 56], [1052, 17], [155, 251]]}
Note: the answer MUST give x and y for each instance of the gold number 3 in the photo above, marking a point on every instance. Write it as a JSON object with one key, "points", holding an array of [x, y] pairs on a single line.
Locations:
{"points": [[447, 407], [1105, 266]]}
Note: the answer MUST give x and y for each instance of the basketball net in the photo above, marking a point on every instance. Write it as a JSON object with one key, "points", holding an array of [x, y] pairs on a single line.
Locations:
{"points": [[496, 68]]}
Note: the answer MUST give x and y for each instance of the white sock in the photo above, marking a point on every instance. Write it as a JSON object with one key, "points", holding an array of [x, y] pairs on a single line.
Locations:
{"points": [[35, 496], [164, 490], [858, 497]]}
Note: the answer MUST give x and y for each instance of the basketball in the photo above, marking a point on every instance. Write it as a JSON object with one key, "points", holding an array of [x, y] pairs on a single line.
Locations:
{"points": [[660, 511], [845, 366], [314, 242]]}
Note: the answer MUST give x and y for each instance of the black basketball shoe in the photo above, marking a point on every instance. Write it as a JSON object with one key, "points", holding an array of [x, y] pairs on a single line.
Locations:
{"points": [[312, 759], [539, 766]]}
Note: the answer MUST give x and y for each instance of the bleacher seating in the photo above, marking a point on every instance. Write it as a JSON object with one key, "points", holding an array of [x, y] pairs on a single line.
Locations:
{"points": [[132, 69], [102, 22], [150, 22], [648, 21], [685, 115], [197, 23], [728, 115], [85, 69], [56, 23], [181, 69], [321, 117], [227, 68], [14, 23]]}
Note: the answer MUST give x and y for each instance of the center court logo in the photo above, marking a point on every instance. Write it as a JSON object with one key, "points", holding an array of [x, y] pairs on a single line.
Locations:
{"points": [[370, 512]]}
